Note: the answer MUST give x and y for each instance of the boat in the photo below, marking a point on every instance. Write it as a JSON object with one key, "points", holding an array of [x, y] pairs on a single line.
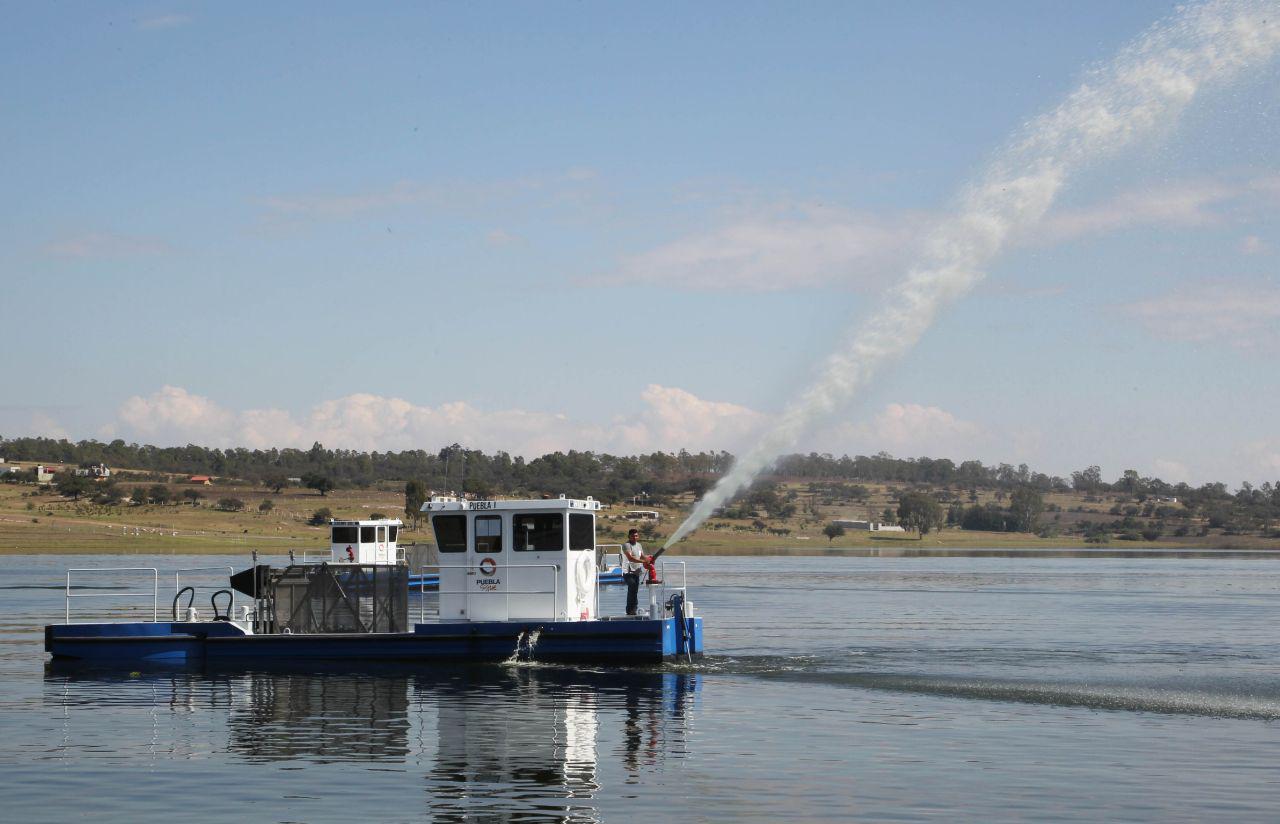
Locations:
{"points": [[517, 579]]}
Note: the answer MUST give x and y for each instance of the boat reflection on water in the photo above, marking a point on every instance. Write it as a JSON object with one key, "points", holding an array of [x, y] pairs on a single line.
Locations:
{"points": [[321, 719], [491, 741]]}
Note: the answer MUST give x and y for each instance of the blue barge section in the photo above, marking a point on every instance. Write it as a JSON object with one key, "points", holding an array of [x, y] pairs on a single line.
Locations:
{"points": [[182, 643]]}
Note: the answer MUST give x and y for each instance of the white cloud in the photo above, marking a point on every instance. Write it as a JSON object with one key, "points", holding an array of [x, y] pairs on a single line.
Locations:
{"points": [[904, 424], [816, 247], [1242, 315], [1183, 204], [43, 425], [1261, 459], [668, 419], [790, 247], [174, 415], [906, 429], [1171, 471], [97, 245]]}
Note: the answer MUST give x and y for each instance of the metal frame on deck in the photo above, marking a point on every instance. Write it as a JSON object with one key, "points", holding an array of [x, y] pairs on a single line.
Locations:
{"points": [[155, 588]]}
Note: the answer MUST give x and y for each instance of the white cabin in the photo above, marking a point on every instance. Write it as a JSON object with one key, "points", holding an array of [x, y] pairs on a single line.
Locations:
{"points": [[364, 542], [524, 560]]}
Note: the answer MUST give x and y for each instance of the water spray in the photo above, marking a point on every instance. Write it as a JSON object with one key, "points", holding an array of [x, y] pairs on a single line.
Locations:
{"points": [[1147, 85]]}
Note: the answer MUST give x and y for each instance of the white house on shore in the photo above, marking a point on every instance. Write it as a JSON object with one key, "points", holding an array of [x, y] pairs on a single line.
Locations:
{"points": [[867, 526], [94, 471]]}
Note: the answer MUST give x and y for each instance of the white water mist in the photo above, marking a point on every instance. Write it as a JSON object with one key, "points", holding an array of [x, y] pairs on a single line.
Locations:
{"points": [[1146, 86]]}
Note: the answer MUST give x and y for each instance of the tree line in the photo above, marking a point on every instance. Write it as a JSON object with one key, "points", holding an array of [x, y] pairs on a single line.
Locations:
{"points": [[654, 478]]}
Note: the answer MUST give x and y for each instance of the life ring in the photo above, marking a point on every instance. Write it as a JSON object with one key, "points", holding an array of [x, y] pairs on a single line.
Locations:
{"points": [[488, 566], [586, 572]]}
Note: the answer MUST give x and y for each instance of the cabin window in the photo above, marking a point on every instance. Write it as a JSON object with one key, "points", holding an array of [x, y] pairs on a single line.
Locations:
{"points": [[366, 534], [346, 535], [392, 533], [382, 534], [538, 533], [582, 531], [451, 532], [489, 533]]}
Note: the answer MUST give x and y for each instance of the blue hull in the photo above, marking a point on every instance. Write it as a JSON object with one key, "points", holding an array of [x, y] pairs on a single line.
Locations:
{"points": [[185, 644]]}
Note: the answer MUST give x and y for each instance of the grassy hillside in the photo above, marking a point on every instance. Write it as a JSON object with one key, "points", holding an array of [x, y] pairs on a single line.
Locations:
{"points": [[38, 520]]}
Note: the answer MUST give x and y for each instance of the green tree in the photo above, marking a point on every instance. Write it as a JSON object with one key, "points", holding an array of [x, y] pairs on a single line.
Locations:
{"points": [[276, 481], [192, 496], [230, 504], [158, 494], [138, 495], [320, 517], [71, 485], [110, 494], [832, 531], [1087, 480], [921, 512], [415, 495], [266, 506], [320, 483], [1025, 507]]}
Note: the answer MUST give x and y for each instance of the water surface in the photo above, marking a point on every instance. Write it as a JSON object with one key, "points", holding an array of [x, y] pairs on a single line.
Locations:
{"points": [[970, 688]]}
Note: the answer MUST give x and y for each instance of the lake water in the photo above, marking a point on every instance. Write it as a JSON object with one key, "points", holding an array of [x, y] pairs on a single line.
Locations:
{"points": [[875, 689]]}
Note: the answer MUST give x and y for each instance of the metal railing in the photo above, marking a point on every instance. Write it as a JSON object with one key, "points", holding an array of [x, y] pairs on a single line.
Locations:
{"points": [[155, 588], [322, 555], [662, 586], [506, 593], [177, 583], [603, 565]]}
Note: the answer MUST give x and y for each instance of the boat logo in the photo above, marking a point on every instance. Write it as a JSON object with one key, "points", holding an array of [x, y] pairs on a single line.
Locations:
{"points": [[488, 566]]}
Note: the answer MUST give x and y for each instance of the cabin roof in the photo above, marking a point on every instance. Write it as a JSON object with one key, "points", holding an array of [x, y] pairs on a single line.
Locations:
{"points": [[378, 522]]}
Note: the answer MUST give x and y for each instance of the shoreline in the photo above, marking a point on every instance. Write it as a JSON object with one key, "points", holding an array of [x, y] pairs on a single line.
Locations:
{"points": [[937, 551]]}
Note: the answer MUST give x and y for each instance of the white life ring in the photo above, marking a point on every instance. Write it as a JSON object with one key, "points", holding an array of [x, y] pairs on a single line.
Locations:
{"points": [[586, 572]]}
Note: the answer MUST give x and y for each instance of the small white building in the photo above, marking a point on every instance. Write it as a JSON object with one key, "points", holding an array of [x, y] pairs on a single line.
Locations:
{"points": [[867, 526], [642, 515], [94, 471], [44, 474]]}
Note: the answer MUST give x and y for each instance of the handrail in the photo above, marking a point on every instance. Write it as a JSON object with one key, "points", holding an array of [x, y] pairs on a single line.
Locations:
{"points": [[230, 571], [683, 589], [316, 552], [155, 588], [554, 593]]}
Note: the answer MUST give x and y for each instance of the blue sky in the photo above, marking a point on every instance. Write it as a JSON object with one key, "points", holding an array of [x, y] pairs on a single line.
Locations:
{"points": [[602, 226]]}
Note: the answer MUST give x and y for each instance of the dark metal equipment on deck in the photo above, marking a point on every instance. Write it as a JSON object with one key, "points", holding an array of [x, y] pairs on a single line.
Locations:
{"points": [[306, 599]]}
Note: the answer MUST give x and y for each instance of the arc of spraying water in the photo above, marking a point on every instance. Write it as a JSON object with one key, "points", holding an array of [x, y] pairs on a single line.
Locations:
{"points": [[1146, 85]]}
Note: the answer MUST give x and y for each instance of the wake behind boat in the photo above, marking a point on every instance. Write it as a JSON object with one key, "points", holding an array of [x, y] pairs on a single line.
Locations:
{"points": [[517, 578]]}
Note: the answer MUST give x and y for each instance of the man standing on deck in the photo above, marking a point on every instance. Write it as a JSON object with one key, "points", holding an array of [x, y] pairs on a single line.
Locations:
{"points": [[633, 559]]}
